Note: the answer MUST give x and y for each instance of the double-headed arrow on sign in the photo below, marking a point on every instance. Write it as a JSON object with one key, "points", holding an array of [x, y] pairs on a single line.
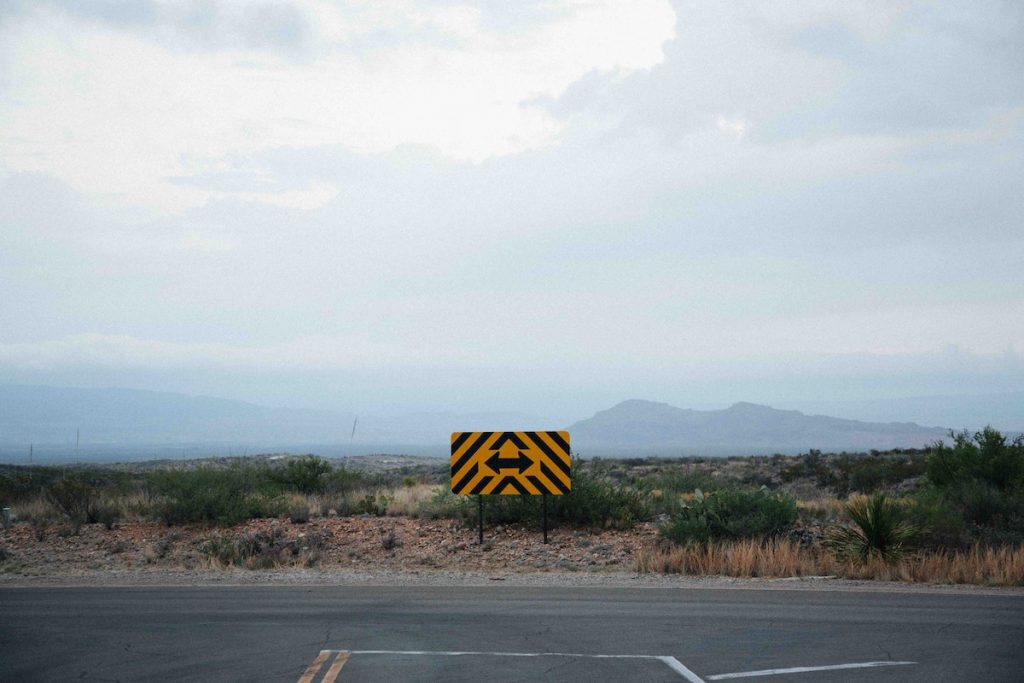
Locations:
{"points": [[520, 463]]}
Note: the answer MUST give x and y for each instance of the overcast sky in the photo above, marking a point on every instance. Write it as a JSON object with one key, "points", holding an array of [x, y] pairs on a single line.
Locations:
{"points": [[390, 206]]}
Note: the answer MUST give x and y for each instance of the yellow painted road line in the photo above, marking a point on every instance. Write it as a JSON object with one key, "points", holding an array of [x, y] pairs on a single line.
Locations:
{"points": [[312, 669], [336, 665]]}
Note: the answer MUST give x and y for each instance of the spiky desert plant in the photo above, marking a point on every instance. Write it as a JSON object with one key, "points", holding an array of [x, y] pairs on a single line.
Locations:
{"points": [[879, 530]]}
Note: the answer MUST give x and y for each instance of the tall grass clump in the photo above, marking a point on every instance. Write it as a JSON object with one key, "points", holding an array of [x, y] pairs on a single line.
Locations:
{"points": [[731, 514], [782, 558], [880, 530]]}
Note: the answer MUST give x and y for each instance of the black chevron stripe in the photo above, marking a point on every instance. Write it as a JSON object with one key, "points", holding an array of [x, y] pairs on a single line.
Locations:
{"points": [[553, 478], [516, 484], [459, 441], [468, 477], [558, 462], [481, 485], [559, 441], [481, 438]]}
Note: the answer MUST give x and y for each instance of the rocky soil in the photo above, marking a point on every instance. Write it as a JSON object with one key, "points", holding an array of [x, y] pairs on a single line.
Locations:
{"points": [[349, 543]]}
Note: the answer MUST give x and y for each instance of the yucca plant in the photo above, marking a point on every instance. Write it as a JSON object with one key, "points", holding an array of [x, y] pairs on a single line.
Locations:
{"points": [[880, 530]]}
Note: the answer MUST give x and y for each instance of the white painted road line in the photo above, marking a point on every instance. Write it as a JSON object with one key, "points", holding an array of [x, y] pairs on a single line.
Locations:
{"points": [[670, 662], [803, 669], [678, 667]]}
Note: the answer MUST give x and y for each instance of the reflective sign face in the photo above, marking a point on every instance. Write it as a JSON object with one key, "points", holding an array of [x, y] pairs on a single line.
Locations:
{"points": [[511, 463]]}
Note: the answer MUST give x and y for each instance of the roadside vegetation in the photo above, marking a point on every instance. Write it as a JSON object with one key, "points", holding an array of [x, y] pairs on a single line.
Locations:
{"points": [[952, 512]]}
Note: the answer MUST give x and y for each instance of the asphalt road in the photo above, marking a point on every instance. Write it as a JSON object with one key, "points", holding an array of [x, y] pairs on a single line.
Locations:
{"points": [[275, 633]]}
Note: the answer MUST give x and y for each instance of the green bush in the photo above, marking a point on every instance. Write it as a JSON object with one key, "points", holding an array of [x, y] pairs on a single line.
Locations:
{"points": [[598, 502], [980, 478], [986, 457], [342, 480], [215, 496], [443, 504], [731, 513], [76, 498], [880, 529], [308, 474], [593, 500], [939, 521]]}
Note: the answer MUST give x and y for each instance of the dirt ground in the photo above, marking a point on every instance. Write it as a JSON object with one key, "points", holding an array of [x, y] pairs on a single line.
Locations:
{"points": [[351, 543]]}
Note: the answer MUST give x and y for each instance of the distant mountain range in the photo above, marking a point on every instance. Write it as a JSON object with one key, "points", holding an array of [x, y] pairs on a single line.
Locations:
{"points": [[645, 427], [126, 422], [130, 423]]}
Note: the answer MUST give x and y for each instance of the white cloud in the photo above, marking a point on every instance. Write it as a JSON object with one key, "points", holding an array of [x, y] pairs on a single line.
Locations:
{"points": [[115, 113]]}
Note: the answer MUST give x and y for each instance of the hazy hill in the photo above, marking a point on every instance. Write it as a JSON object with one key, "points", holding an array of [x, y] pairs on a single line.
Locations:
{"points": [[1004, 411], [115, 422], [53, 414], [108, 418], [645, 427]]}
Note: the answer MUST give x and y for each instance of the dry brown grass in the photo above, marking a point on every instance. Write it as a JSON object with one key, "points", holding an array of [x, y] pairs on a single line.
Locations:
{"points": [[822, 509], [407, 501], [35, 510], [783, 559], [749, 558]]}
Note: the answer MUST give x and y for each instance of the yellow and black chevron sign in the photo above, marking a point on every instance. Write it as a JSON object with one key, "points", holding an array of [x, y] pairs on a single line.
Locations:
{"points": [[511, 463]]}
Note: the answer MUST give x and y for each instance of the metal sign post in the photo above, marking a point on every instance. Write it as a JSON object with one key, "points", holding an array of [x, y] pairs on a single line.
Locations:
{"points": [[545, 519]]}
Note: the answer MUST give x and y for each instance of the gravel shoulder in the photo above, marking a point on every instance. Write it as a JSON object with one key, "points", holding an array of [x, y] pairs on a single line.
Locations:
{"points": [[385, 578], [369, 551]]}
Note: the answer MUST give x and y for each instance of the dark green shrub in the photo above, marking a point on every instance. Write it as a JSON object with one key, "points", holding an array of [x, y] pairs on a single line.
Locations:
{"points": [[75, 498], [981, 477], [598, 502], [342, 480], [298, 514], [108, 515], [215, 496], [985, 457], [731, 513], [593, 500], [880, 529], [939, 521], [308, 474]]}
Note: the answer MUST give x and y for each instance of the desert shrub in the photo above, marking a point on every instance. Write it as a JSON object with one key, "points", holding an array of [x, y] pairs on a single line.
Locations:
{"points": [[308, 474], [665, 489], [984, 457], [342, 480], [940, 522], [108, 515], [880, 530], [215, 496], [77, 499], [221, 549], [298, 514], [868, 473], [389, 540], [442, 504], [981, 478], [366, 504], [264, 549], [596, 501], [730, 514]]}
